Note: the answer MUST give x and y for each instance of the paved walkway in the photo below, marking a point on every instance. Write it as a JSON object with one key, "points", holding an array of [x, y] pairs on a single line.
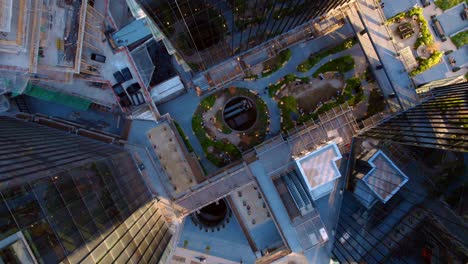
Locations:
{"points": [[394, 75]]}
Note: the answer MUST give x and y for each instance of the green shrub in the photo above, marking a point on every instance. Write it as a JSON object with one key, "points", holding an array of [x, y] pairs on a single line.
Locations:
{"points": [[428, 63], [460, 39], [287, 105], [279, 61], [316, 58], [396, 17], [342, 65], [447, 4], [184, 137], [376, 103], [353, 83], [208, 102]]}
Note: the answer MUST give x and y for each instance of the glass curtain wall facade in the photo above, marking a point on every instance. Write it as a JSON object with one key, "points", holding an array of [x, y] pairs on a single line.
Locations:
{"points": [[74, 199], [207, 32], [440, 121], [422, 222]]}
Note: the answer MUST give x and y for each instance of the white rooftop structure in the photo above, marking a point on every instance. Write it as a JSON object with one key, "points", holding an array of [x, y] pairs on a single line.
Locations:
{"points": [[319, 169], [6, 10], [166, 89], [385, 178]]}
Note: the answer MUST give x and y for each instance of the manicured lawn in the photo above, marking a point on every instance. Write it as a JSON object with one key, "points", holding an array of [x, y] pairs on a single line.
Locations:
{"points": [[208, 102], [316, 58], [460, 39], [342, 65], [447, 4]]}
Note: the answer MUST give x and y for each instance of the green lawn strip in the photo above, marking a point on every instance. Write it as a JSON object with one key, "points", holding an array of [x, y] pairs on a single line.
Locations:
{"points": [[425, 64], [342, 65], [184, 137], [447, 4], [316, 58], [208, 102], [218, 146], [280, 59], [460, 39]]}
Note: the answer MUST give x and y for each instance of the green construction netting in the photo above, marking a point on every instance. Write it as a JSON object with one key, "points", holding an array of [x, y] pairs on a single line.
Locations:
{"points": [[57, 97]]}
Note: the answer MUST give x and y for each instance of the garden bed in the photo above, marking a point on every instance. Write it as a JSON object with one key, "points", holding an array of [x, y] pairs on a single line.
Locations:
{"points": [[447, 4], [341, 65], [222, 151], [460, 39], [304, 108], [317, 57]]}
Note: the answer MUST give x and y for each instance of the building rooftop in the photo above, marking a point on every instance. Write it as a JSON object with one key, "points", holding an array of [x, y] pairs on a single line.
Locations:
{"points": [[319, 167], [385, 178]]}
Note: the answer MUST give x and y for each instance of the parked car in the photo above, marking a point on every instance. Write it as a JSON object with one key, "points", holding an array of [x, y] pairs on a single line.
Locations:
{"points": [[98, 57], [127, 74], [133, 88], [119, 91], [119, 77], [392, 96]]}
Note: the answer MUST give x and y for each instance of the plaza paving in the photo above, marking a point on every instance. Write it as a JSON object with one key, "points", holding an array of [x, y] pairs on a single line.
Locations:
{"points": [[229, 243], [451, 20]]}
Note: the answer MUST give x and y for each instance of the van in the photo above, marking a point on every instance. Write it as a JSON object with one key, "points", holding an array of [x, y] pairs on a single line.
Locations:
{"points": [[98, 57]]}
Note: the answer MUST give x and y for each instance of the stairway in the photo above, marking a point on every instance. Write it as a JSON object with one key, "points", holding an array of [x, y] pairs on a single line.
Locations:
{"points": [[21, 104]]}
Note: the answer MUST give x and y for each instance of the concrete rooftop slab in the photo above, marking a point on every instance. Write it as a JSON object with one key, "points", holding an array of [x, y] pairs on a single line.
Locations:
{"points": [[319, 167], [385, 178]]}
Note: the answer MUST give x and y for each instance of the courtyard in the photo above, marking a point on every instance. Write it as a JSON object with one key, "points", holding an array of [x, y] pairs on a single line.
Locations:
{"points": [[228, 122], [217, 144], [432, 38]]}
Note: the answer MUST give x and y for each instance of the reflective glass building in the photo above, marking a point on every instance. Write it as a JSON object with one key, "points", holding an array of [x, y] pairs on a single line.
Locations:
{"points": [[403, 200], [66, 198], [207, 32]]}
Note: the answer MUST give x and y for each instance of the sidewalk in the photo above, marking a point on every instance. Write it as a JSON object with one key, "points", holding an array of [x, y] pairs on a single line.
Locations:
{"points": [[397, 75]]}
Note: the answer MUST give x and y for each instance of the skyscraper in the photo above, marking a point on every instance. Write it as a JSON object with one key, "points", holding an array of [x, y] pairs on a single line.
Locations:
{"points": [[439, 121], [66, 198], [403, 200], [206, 32]]}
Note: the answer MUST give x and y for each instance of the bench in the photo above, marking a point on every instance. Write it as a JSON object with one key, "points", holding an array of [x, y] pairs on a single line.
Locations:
{"points": [[438, 29]]}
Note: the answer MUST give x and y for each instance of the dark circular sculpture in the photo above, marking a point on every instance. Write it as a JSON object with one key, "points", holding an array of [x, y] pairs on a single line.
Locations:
{"points": [[213, 214], [240, 113]]}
